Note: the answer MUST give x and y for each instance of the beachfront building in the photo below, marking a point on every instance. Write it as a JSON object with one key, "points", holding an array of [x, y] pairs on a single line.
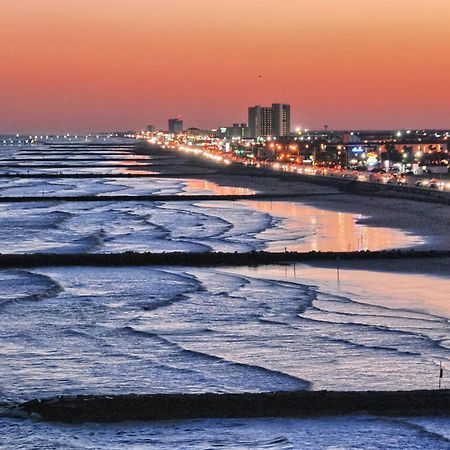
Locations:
{"points": [[236, 131], [265, 121], [175, 126], [260, 121], [281, 119]]}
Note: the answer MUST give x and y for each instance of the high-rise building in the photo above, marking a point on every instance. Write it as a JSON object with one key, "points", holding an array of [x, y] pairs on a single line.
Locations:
{"points": [[254, 121], [281, 119], [264, 121], [260, 121], [175, 126]]}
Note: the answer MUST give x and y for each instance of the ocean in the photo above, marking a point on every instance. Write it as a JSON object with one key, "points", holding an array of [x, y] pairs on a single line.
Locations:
{"points": [[94, 330]]}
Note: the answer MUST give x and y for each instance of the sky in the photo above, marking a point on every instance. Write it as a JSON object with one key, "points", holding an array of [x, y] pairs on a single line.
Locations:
{"points": [[104, 65]]}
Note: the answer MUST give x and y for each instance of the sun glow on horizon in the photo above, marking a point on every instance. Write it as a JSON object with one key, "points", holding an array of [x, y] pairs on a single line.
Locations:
{"points": [[115, 65]]}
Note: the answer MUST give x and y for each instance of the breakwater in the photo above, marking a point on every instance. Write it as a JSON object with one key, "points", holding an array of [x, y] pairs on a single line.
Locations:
{"points": [[158, 197], [207, 259], [91, 408], [44, 175], [112, 159], [66, 165], [77, 145]]}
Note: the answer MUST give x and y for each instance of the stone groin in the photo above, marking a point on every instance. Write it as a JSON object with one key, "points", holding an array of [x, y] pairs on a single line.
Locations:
{"points": [[159, 197], [207, 259], [104, 409]]}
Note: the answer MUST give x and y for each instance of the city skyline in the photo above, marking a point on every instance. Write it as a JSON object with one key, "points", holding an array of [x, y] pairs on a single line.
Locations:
{"points": [[110, 66]]}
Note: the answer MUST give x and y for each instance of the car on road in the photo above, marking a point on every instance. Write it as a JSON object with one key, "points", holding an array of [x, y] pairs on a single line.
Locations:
{"points": [[435, 183], [422, 183]]}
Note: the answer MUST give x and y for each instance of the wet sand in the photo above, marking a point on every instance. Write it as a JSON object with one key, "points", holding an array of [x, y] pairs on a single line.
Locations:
{"points": [[400, 284], [331, 230], [428, 220]]}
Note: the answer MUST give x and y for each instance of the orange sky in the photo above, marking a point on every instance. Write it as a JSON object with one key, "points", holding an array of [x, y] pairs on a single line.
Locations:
{"points": [[92, 65]]}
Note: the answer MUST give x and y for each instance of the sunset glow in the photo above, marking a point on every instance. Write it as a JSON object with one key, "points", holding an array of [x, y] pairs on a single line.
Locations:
{"points": [[77, 65]]}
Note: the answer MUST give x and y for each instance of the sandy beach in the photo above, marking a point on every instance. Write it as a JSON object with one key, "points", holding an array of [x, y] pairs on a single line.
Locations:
{"points": [[429, 220]]}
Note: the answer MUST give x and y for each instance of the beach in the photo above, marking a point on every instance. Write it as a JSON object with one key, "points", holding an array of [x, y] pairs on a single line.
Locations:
{"points": [[429, 220]]}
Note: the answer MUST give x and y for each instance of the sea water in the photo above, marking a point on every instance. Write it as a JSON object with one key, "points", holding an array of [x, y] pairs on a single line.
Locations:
{"points": [[179, 329]]}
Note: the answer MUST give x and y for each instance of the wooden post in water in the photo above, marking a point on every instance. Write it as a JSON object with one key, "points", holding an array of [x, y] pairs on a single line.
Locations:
{"points": [[441, 373], [338, 269]]}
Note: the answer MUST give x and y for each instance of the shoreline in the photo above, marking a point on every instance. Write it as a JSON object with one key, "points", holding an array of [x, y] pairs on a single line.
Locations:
{"points": [[428, 220]]}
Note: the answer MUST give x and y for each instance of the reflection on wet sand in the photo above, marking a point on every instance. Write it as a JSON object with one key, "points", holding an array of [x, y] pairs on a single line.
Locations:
{"points": [[424, 293], [194, 186], [327, 230]]}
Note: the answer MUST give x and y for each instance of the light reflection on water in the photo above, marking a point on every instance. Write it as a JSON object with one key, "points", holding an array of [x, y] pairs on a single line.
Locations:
{"points": [[194, 186], [135, 171], [414, 292], [131, 162], [329, 230], [325, 230]]}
